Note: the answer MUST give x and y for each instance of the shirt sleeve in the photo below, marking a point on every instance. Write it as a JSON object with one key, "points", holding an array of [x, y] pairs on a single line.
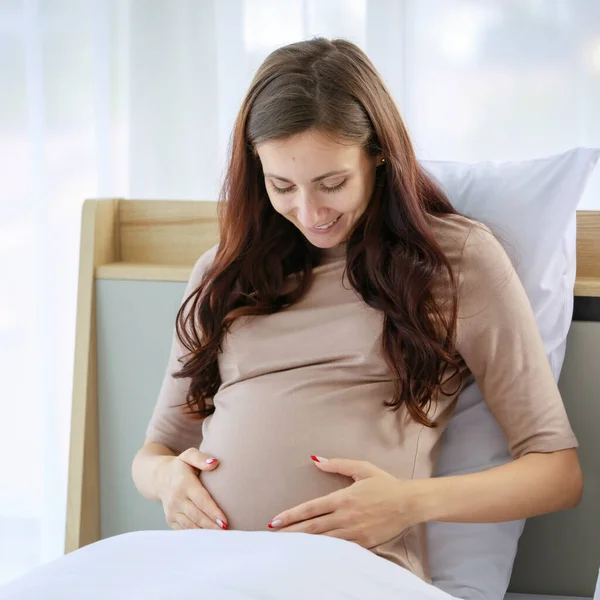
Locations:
{"points": [[499, 340], [169, 424]]}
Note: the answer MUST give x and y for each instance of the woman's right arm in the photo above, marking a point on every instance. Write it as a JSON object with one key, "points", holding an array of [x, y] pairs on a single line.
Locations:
{"points": [[148, 469], [167, 467]]}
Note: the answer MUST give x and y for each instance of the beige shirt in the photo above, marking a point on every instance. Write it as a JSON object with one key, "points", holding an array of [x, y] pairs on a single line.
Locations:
{"points": [[312, 380]]}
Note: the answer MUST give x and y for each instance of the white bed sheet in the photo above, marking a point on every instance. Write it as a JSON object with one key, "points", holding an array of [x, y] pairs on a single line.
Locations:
{"points": [[214, 565]]}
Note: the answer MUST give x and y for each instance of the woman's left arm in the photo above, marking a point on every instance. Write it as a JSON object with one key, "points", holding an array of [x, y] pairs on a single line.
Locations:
{"points": [[531, 485], [499, 339], [500, 342]]}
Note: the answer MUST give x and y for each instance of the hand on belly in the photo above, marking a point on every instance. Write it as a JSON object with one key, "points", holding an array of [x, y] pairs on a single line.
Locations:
{"points": [[251, 492]]}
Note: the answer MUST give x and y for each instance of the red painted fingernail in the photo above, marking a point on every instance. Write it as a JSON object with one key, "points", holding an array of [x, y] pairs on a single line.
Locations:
{"points": [[210, 461], [319, 459], [275, 523], [222, 524]]}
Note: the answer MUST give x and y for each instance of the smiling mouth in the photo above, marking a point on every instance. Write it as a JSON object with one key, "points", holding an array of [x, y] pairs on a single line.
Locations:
{"points": [[327, 225]]}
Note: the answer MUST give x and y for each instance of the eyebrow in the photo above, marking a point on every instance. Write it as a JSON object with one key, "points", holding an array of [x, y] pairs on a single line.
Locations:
{"points": [[319, 178]]}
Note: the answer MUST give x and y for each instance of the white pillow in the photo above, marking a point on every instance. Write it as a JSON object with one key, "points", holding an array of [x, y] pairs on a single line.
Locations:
{"points": [[532, 206]]}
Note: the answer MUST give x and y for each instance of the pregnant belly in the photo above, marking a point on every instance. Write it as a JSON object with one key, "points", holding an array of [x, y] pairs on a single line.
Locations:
{"points": [[264, 437]]}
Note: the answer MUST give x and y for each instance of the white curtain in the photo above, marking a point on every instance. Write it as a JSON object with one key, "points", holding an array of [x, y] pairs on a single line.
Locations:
{"points": [[137, 98]]}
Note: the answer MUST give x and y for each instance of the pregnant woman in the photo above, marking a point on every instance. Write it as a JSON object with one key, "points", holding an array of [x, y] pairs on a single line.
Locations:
{"points": [[321, 347]]}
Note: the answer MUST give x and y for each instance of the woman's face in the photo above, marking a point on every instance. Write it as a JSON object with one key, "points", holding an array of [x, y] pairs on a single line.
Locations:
{"points": [[321, 186]]}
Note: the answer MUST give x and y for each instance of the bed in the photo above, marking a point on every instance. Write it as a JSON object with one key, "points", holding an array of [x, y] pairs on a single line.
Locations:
{"points": [[187, 565], [135, 259]]}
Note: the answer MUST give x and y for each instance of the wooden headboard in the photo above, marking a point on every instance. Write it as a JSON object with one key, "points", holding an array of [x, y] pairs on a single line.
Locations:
{"points": [[160, 241]]}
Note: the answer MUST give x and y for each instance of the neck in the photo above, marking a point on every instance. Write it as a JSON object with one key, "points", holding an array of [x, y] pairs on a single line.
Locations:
{"points": [[332, 254]]}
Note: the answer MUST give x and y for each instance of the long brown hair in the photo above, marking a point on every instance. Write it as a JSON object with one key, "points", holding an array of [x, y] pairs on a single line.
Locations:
{"points": [[393, 257]]}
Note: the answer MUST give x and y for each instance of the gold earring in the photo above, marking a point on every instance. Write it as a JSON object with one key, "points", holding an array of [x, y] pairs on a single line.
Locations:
{"points": [[383, 160]]}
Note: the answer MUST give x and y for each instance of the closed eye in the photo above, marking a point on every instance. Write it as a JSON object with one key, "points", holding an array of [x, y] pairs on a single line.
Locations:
{"points": [[279, 190], [335, 188], [325, 188]]}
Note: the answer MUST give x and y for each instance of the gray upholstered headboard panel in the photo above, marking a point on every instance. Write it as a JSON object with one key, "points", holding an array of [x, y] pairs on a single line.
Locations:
{"points": [[135, 324], [559, 554]]}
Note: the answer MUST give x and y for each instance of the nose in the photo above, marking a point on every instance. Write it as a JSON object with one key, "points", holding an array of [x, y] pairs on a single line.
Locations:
{"points": [[308, 212]]}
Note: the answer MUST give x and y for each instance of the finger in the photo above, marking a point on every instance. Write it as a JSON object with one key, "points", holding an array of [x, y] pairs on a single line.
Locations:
{"points": [[198, 517], [357, 469], [304, 512], [199, 460], [313, 526], [201, 498], [184, 522]]}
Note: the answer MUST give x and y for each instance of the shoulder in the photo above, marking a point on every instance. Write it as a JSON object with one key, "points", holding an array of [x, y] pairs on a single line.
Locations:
{"points": [[479, 263], [468, 244], [202, 266], [458, 235], [199, 270]]}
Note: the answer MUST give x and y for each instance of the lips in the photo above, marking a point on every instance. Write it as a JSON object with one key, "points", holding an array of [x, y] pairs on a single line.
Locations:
{"points": [[326, 226]]}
